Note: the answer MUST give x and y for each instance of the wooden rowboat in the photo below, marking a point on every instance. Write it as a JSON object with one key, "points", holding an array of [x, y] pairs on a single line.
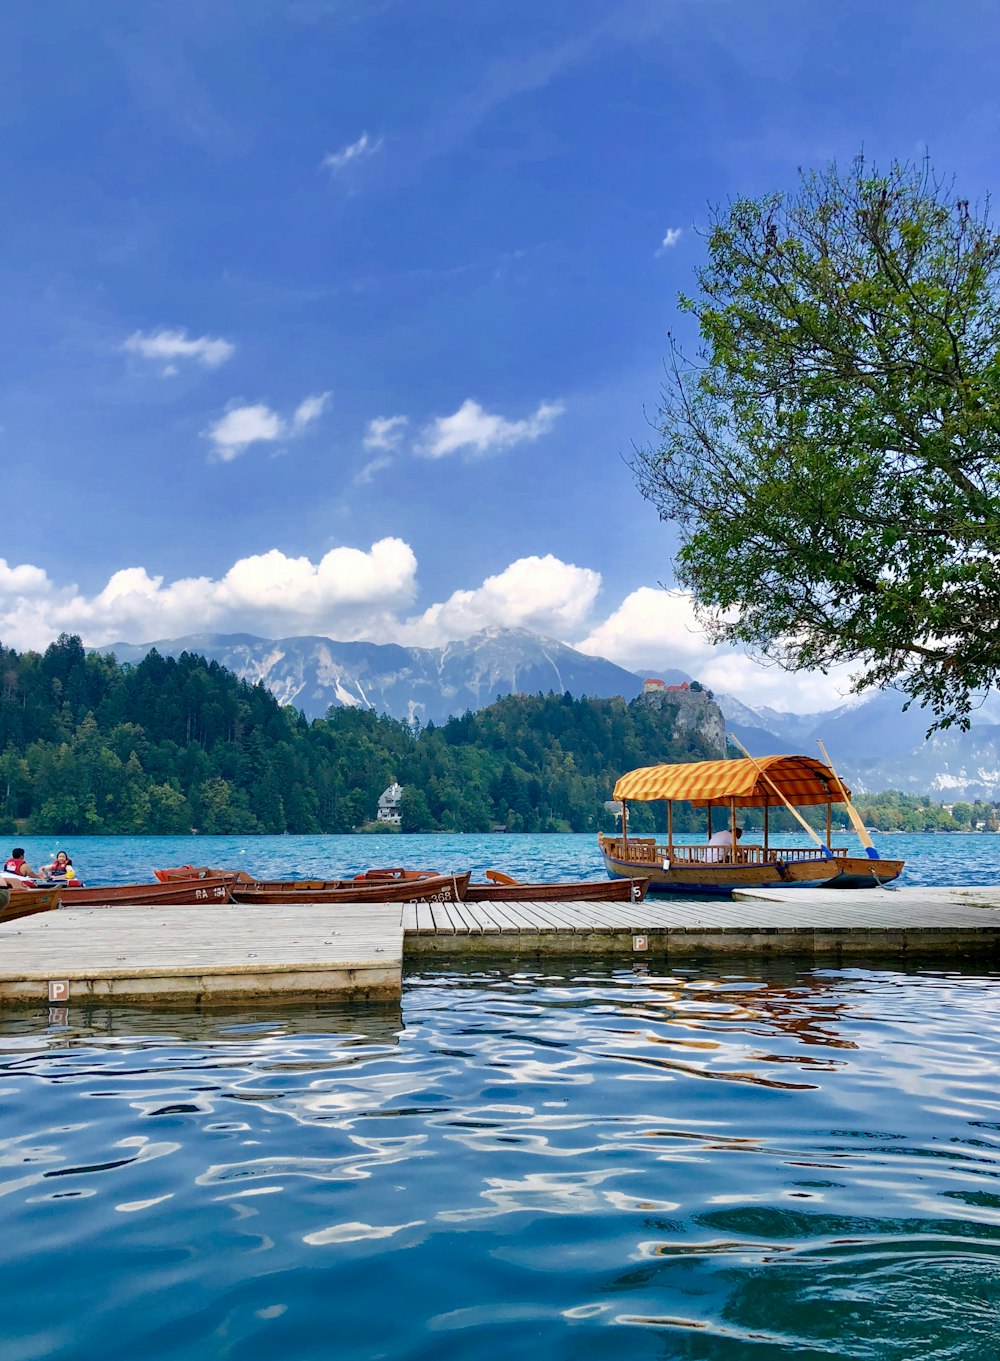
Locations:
{"points": [[502, 889], [186, 872], [216, 890], [25, 902], [438, 888]]}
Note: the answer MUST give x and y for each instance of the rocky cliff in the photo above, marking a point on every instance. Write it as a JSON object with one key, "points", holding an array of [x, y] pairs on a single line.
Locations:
{"points": [[694, 713]]}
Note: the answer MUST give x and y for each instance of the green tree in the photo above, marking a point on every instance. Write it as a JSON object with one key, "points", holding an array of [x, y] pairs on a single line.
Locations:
{"points": [[832, 457], [415, 815], [169, 811]]}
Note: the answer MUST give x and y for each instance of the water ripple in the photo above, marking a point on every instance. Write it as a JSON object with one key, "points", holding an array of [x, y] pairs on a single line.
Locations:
{"points": [[563, 1163]]}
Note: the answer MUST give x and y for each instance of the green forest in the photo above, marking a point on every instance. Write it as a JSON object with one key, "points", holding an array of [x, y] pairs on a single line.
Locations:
{"points": [[171, 746], [174, 746]]}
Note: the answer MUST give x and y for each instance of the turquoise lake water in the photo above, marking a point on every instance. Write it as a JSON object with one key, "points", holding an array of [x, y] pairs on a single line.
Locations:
{"points": [[576, 1160], [952, 858]]}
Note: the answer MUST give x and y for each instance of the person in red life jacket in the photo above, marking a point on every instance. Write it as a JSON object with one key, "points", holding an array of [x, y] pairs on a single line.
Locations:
{"points": [[60, 870], [16, 864]]}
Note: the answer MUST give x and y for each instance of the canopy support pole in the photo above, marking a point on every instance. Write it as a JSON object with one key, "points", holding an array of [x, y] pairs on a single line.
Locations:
{"points": [[767, 809], [732, 831], [829, 824], [624, 823], [670, 828]]}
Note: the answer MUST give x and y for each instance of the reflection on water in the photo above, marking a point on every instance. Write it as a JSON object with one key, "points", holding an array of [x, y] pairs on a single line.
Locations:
{"points": [[554, 1163], [377, 1022]]}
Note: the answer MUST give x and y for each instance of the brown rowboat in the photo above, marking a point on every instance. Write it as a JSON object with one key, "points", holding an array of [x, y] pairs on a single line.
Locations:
{"points": [[502, 889], [189, 872], [439, 888], [25, 902], [215, 890]]}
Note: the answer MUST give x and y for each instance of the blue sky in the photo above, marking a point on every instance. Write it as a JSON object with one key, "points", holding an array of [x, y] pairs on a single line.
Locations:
{"points": [[334, 317]]}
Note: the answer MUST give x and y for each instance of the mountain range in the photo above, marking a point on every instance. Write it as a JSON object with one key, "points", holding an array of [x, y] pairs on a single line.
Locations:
{"points": [[425, 683], [874, 744]]}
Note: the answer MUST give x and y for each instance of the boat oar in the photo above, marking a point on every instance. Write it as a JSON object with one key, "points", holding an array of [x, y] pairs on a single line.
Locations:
{"points": [[855, 817], [827, 853], [852, 812]]}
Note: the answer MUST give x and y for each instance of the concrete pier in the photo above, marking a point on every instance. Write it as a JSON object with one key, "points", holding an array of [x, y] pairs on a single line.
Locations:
{"points": [[286, 952], [202, 954]]}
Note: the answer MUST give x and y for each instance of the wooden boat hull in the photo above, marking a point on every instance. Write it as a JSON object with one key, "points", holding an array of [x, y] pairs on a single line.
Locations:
{"points": [[216, 891], [25, 902], [615, 890], [438, 888], [859, 871], [719, 880]]}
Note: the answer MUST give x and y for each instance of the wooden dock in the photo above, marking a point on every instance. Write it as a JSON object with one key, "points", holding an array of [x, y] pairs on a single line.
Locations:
{"points": [[202, 955], [802, 921], [302, 952]]}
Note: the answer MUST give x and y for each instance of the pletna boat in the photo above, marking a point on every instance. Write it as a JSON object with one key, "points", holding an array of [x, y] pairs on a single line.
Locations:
{"points": [[764, 782]]}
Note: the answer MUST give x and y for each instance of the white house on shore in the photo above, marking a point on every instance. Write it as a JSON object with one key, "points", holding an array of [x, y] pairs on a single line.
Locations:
{"points": [[388, 805]]}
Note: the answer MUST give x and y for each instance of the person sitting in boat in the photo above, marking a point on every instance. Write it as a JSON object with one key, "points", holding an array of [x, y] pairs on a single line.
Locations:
{"points": [[17, 865], [720, 839], [60, 870]]}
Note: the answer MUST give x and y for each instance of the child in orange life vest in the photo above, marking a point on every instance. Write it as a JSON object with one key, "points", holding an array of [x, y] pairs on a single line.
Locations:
{"points": [[61, 868]]}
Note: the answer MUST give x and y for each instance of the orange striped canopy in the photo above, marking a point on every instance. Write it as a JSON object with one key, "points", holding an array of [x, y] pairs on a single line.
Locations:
{"points": [[802, 779]]}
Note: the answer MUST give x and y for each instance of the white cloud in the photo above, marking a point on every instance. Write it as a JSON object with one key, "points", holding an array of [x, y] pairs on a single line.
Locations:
{"points": [[472, 428], [542, 594], [309, 410], [242, 426], [368, 472], [385, 432], [23, 580], [364, 146], [168, 346], [673, 235], [656, 628], [349, 593]]}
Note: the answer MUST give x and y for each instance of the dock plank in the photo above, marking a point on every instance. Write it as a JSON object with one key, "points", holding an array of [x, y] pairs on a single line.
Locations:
{"points": [[479, 914], [444, 923]]}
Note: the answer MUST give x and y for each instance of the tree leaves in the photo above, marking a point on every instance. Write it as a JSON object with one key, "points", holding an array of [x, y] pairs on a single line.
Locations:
{"points": [[832, 456]]}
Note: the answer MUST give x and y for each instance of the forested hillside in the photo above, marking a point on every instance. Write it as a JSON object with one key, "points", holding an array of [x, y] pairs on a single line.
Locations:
{"points": [[171, 746]]}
